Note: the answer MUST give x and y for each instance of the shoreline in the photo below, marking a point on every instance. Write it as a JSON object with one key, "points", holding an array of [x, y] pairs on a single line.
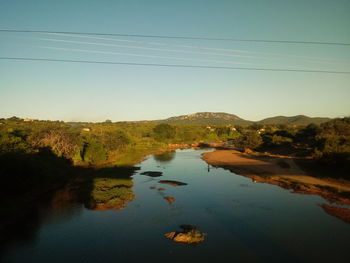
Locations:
{"points": [[134, 157], [281, 171]]}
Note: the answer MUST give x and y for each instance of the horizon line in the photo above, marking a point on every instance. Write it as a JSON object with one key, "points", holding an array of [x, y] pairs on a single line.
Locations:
{"points": [[163, 119]]}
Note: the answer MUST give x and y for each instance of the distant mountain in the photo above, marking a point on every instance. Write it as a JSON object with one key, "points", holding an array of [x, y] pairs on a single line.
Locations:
{"points": [[296, 120], [207, 118], [226, 118]]}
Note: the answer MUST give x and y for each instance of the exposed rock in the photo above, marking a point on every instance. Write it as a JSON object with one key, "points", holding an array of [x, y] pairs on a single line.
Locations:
{"points": [[152, 187], [170, 235], [183, 238], [170, 199], [247, 150], [171, 182], [188, 235], [179, 146], [152, 173], [161, 189], [340, 212]]}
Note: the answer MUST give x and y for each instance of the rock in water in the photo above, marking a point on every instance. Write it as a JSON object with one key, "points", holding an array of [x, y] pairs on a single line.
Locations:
{"points": [[170, 199], [171, 182], [182, 238], [152, 173], [170, 235], [188, 235]]}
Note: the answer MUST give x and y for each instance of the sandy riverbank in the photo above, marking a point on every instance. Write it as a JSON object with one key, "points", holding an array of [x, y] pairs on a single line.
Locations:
{"points": [[281, 171]]}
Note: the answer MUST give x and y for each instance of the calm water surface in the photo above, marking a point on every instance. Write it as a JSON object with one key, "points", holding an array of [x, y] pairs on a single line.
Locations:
{"points": [[244, 221]]}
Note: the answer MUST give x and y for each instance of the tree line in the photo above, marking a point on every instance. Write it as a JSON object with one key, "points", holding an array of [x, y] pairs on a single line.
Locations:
{"points": [[328, 143], [42, 145]]}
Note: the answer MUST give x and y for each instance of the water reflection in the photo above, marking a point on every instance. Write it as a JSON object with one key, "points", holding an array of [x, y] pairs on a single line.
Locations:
{"points": [[164, 157], [23, 216], [108, 188], [102, 189], [111, 193], [247, 221]]}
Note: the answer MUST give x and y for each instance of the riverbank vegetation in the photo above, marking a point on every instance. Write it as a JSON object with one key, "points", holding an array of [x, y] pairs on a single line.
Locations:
{"points": [[98, 143], [34, 152], [37, 158], [323, 150], [43, 154]]}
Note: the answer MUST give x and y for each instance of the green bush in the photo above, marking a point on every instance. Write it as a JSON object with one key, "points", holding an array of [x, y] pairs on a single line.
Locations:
{"points": [[279, 140], [94, 152], [13, 142], [334, 144], [250, 139], [164, 132], [115, 140], [339, 127]]}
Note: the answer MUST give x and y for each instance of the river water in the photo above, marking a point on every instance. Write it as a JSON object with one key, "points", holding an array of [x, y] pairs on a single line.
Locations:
{"points": [[244, 221]]}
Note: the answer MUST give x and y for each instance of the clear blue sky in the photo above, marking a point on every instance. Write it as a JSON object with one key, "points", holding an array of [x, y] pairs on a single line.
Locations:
{"points": [[93, 92]]}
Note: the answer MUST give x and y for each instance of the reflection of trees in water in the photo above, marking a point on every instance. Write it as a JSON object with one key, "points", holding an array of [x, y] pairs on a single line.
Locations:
{"points": [[109, 188], [18, 229], [164, 157], [111, 193], [61, 205], [23, 215]]}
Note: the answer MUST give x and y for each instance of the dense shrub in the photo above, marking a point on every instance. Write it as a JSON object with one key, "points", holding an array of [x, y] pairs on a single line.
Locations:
{"points": [[339, 127], [279, 140], [308, 135], [334, 144], [164, 131], [11, 142], [223, 131], [115, 140], [250, 139], [62, 142], [94, 152]]}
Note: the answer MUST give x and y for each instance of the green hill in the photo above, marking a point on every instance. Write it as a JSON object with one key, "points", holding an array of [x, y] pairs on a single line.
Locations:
{"points": [[207, 118], [296, 120], [227, 118]]}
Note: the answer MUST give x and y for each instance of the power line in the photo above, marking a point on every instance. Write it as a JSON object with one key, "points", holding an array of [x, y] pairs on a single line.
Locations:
{"points": [[178, 37], [225, 50], [145, 48], [143, 55], [204, 48], [173, 65], [312, 59]]}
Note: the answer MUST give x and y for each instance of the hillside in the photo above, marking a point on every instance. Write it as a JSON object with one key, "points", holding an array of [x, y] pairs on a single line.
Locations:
{"points": [[296, 120], [226, 118], [207, 118]]}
